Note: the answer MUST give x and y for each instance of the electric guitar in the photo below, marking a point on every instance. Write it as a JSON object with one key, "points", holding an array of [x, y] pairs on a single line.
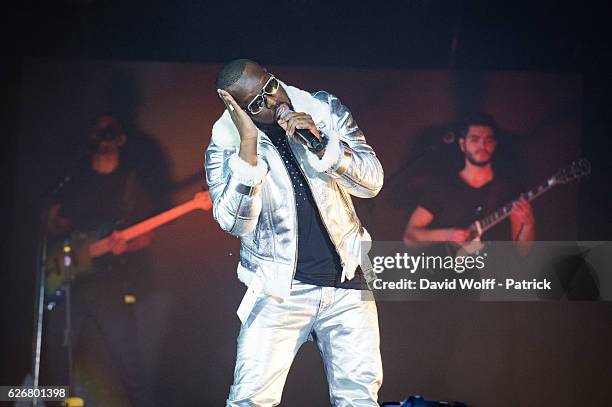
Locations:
{"points": [[574, 171], [80, 248]]}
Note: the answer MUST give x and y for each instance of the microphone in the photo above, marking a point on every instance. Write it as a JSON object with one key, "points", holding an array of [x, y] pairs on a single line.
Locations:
{"points": [[306, 135]]}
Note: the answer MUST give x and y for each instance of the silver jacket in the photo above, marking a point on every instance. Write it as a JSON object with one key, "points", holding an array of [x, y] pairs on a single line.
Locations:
{"points": [[257, 204]]}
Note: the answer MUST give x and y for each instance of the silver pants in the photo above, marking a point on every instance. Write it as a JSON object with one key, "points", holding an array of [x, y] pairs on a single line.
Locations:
{"points": [[342, 324]]}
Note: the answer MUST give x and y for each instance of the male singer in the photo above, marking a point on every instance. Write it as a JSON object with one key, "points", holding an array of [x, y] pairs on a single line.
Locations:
{"points": [[300, 236]]}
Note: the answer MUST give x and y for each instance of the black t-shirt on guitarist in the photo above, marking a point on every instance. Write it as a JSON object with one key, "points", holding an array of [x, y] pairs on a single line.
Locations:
{"points": [[454, 204], [103, 290], [96, 204]]}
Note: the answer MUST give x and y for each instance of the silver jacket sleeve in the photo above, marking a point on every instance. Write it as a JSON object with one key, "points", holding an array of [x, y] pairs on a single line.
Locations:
{"points": [[358, 170], [235, 189]]}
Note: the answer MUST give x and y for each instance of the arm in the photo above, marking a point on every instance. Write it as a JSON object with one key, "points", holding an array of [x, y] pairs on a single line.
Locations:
{"points": [[235, 174], [119, 245], [347, 157], [417, 230], [235, 189], [522, 225], [56, 224]]}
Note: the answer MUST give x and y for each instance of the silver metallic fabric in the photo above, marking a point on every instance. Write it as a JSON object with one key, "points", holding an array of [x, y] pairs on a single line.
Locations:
{"points": [[343, 325], [278, 313], [266, 220]]}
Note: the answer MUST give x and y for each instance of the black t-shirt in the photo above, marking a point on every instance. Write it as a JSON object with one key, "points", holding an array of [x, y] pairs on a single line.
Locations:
{"points": [[92, 200], [96, 204], [318, 262], [455, 204]]}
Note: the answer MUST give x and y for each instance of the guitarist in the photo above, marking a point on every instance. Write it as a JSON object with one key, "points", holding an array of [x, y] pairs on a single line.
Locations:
{"points": [[105, 195], [449, 206]]}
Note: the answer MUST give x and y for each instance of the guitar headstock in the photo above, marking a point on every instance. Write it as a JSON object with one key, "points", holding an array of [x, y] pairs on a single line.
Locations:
{"points": [[574, 171], [202, 200]]}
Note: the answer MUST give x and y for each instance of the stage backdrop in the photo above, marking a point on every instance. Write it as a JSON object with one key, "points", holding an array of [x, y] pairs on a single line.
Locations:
{"points": [[487, 354]]}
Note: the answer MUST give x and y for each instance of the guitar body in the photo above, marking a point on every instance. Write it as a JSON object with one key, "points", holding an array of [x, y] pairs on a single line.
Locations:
{"points": [[56, 267], [470, 248], [80, 249]]}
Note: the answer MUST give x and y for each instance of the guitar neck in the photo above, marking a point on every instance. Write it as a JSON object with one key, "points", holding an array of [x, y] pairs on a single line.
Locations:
{"points": [[156, 221], [103, 246], [502, 213]]}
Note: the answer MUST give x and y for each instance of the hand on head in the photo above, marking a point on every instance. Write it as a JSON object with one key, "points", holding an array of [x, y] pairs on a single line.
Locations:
{"points": [[244, 123]]}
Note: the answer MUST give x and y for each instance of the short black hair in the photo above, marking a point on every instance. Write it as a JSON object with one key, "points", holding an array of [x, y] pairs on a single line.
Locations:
{"points": [[231, 72], [476, 119]]}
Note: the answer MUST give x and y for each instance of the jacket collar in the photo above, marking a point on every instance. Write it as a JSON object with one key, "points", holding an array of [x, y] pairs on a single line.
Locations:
{"points": [[225, 133]]}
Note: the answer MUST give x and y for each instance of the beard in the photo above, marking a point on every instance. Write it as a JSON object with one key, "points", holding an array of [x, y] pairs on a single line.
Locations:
{"points": [[265, 127], [474, 161], [105, 163]]}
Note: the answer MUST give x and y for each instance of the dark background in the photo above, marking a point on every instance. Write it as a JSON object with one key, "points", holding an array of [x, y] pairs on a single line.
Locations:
{"points": [[486, 354]]}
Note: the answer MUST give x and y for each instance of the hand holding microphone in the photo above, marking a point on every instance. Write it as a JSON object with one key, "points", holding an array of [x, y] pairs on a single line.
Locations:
{"points": [[300, 126]]}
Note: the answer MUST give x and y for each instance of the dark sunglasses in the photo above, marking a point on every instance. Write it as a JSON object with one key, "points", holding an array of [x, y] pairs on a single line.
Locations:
{"points": [[258, 103]]}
